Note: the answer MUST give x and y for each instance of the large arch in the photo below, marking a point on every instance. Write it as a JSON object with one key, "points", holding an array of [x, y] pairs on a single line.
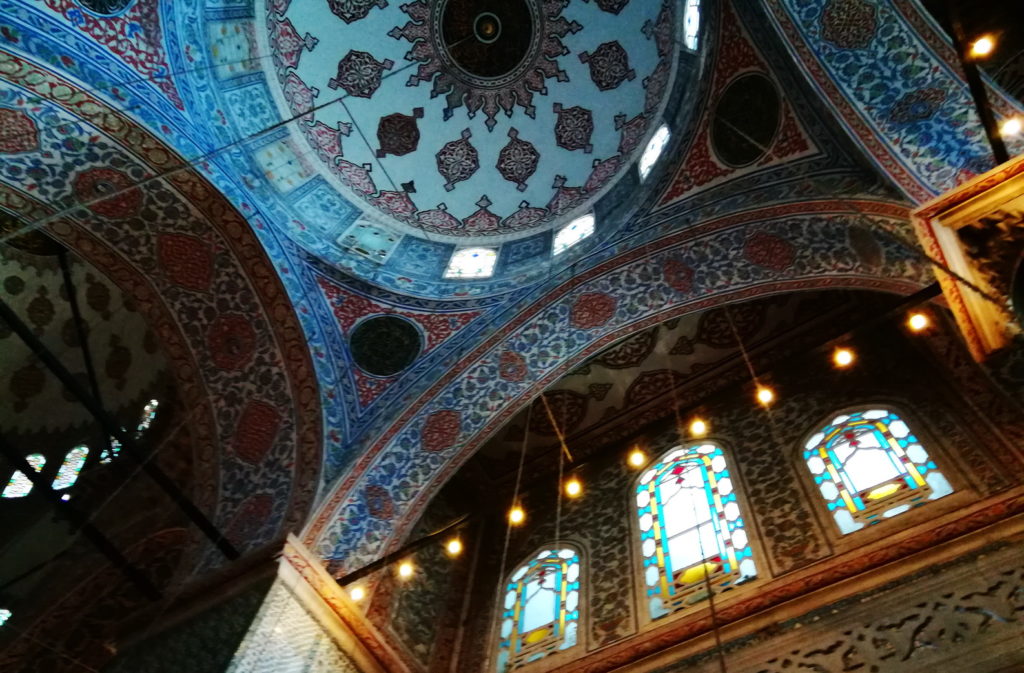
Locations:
{"points": [[735, 257]]}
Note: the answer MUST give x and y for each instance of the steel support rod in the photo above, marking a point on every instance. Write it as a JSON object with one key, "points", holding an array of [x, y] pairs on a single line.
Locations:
{"points": [[111, 427], [78, 519]]}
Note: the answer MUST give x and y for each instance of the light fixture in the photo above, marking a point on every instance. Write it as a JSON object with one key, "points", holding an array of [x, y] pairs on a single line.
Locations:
{"points": [[454, 546], [765, 395], [357, 594], [573, 488], [405, 570], [698, 427], [918, 321], [1010, 127], [637, 458], [843, 357], [983, 46], [516, 515]]}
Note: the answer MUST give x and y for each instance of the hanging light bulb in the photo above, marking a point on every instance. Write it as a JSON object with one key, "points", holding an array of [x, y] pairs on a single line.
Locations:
{"points": [[843, 357], [765, 395], [1010, 127], [637, 458], [918, 321], [698, 427], [573, 488], [454, 546], [983, 46], [516, 515], [406, 569], [357, 594]]}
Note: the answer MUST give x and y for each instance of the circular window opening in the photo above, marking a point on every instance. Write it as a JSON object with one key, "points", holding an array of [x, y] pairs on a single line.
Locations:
{"points": [[385, 345], [745, 120], [487, 38]]}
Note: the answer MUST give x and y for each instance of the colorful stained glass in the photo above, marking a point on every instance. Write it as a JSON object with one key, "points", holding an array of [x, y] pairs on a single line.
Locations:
{"points": [[692, 532], [73, 463], [146, 420], [541, 608], [472, 263], [691, 24], [20, 485], [573, 233], [869, 466], [653, 151], [5, 614]]}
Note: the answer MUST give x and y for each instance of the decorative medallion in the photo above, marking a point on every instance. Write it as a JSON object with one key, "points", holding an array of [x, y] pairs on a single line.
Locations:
{"points": [[359, 73], [574, 128], [378, 502], [440, 431], [231, 341], [849, 24], [257, 429], [720, 327], [592, 309], [385, 345], [187, 261], [18, 132], [630, 352], [458, 160], [512, 366], [290, 45], [611, 6], [738, 137], [609, 65], [917, 105], [517, 160], [678, 275], [353, 10], [483, 221], [769, 251], [398, 134], [107, 192]]}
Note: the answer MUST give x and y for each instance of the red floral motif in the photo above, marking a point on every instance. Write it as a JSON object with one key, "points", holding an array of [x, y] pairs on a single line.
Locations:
{"points": [[602, 173], [440, 431], [325, 139], [512, 366], [289, 44], [19, 133], [483, 221], [438, 219], [231, 341], [396, 204], [108, 193], [678, 275], [300, 96], [187, 260], [257, 429], [769, 251], [250, 519], [592, 309], [378, 502]]}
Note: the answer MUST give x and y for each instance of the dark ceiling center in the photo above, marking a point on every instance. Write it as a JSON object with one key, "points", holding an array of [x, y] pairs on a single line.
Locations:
{"points": [[385, 345], [745, 119], [487, 38]]}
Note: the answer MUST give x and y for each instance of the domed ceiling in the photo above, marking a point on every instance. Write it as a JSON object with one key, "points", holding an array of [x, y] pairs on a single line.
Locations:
{"points": [[466, 119]]}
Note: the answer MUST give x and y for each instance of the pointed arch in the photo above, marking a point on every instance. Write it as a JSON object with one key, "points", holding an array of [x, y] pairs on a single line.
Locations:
{"points": [[73, 463], [19, 484], [868, 466], [692, 532], [540, 607]]}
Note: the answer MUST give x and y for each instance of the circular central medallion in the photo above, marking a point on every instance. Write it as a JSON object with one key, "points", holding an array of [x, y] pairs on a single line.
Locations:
{"points": [[487, 39]]}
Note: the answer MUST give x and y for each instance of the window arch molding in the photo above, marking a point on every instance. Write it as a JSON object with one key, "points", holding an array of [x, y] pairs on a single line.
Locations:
{"points": [[684, 584], [569, 615], [905, 500]]}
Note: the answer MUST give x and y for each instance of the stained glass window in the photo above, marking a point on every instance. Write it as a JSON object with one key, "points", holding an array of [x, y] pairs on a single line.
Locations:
{"points": [[541, 608], [20, 485], [653, 151], [573, 233], [691, 24], [73, 463], [692, 532], [146, 420], [472, 263], [869, 466], [5, 614]]}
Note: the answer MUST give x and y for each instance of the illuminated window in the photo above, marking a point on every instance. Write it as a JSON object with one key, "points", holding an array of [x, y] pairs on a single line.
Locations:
{"points": [[869, 466], [691, 24], [20, 485], [472, 263], [653, 150], [73, 463], [692, 532], [541, 609], [573, 233], [145, 420], [5, 614]]}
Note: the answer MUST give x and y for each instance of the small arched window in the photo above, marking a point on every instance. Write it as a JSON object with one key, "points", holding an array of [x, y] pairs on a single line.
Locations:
{"points": [[869, 466], [73, 463], [20, 485], [692, 532], [540, 609]]}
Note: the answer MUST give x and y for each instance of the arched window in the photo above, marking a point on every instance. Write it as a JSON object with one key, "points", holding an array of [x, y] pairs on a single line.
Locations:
{"points": [[73, 463], [692, 532], [540, 609], [653, 151], [20, 485], [691, 24], [472, 263], [869, 466]]}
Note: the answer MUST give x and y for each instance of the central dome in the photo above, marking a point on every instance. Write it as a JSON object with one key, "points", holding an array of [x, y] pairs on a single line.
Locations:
{"points": [[459, 120]]}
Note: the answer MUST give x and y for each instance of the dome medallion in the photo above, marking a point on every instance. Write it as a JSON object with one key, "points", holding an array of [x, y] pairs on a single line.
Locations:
{"points": [[469, 119]]}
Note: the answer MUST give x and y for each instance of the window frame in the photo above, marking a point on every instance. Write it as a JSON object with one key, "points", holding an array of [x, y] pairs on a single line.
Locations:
{"points": [[737, 592], [558, 657]]}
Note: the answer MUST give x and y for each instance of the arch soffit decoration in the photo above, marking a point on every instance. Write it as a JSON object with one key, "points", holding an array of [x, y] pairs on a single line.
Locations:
{"points": [[733, 258], [193, 247]]}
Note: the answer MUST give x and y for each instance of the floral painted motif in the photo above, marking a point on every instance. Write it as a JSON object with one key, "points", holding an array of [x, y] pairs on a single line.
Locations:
{"points": [[108, 192], [18, 133], [574, 127], [353, 10], [592, 310], [517, 160], [458, 160], [440, 431], [359, 74], [609, 65], [398, 134], [769, 251], [849, 24]]}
